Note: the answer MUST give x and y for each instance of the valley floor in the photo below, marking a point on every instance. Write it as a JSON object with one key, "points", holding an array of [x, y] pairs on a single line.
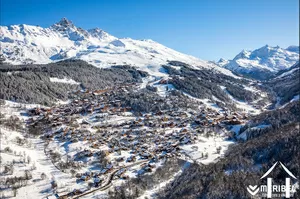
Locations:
{"points": [[88, 146]]}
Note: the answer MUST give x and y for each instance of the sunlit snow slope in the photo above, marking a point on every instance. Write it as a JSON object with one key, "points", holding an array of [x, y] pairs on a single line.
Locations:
{"points": [[265, 60], [23, 44]]}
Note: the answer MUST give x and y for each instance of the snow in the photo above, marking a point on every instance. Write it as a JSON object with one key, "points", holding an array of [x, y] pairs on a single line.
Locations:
{"points": [[207, 102], [146, 81], [244, 134], [36, 188], [64, 80], [251, 88], [207, 145], [211, 105], [42, 164], [21, 44], [222, 62], [151, 193], [117, 43], [265, 58], [287, 73], [241, 104], [17, 109], [295, 98], [162, 89], [41, 188]]}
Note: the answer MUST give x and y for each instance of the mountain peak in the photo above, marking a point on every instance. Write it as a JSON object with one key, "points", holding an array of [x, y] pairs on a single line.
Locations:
{"points": [[266, 52], [264, 60], [243, 54], [63, 24], [68, 29], [268, 48], [221, 60]]}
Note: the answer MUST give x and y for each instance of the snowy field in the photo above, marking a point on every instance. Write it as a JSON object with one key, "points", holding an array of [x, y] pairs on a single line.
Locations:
{"points": [[63, 80], [29, 157], [207, 149]]}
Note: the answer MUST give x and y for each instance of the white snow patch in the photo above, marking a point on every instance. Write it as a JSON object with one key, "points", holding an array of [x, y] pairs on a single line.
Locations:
{"points": [[64, 80], [151, 193], [241, 104], [207, 147]]}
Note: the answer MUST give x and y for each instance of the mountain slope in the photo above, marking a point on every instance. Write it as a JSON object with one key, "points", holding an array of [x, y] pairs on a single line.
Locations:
{"points": [[244, 162], [286, 85], [25, 44], [262, 63]]}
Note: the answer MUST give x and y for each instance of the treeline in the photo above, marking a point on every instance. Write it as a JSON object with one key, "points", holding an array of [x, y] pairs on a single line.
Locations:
{"points": [[206, 84], [12, 123], [135, 187], [256, 74], [31, 83]]}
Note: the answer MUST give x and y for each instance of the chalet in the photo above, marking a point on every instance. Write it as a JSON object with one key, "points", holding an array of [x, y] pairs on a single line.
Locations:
{"points": [[119, 159], [145, 155], [163, 81], [120, 172], [131, 159], [182, 115], [184, 130], [97, 181], [124, 177], [84, 178], [147, 169], [109, 167]]}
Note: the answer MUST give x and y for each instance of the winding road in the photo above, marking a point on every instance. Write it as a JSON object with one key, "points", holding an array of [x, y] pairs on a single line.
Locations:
{"points": [[107, 184]]}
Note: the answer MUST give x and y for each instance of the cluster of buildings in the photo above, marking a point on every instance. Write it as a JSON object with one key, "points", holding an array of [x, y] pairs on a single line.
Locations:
{"points": [[109, 130]]}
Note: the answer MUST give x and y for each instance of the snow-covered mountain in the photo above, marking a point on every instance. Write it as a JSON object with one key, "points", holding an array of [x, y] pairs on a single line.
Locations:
{"points": [[23, 44], [263, 61]]}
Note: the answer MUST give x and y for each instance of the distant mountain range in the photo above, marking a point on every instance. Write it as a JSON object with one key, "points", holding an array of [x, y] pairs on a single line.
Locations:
{"points": [[26, 44], [263, 62]]}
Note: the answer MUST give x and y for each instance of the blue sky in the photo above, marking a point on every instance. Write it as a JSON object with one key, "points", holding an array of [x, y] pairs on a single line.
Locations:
{"points": [[208, 29]]}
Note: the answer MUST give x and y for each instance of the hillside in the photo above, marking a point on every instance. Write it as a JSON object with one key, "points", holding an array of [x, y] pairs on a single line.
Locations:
{"points": [[48, 83], [285, 85], [244, 163]]}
